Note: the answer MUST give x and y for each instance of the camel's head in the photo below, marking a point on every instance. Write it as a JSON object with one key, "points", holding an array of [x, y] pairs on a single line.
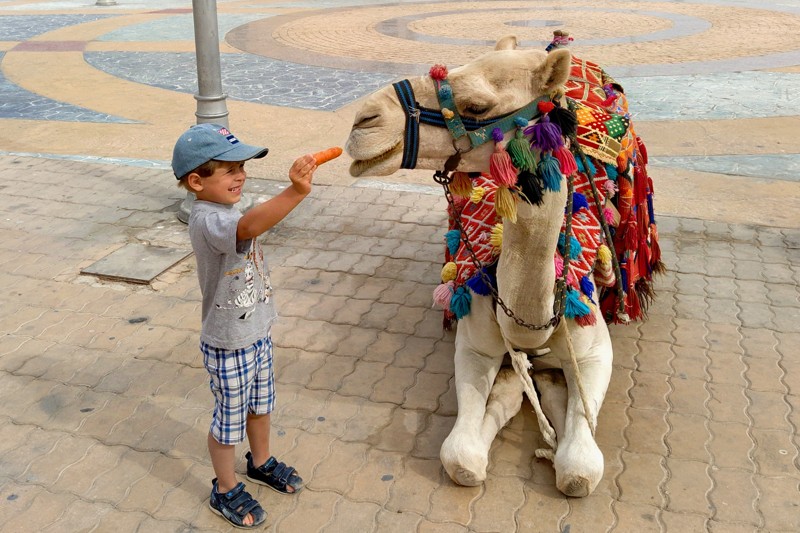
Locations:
{"points": [[493, 85]]}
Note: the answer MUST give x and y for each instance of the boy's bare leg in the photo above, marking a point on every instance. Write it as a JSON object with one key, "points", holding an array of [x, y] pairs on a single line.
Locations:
{"points": [[258, 434], [223, 459]]}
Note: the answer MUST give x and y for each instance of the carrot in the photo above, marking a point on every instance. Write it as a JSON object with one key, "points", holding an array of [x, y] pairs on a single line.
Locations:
{"points": [[326, 155]]}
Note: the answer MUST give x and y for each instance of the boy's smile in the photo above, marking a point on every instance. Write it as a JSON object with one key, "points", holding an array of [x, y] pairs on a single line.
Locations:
{"points": [[225, 185]]}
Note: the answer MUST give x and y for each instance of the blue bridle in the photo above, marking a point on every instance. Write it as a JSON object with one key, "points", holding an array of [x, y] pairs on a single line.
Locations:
{"points": [[476, 131]]}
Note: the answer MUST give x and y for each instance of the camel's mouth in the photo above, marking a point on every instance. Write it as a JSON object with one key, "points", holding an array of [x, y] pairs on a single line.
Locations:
{"points": [[381, 165]]}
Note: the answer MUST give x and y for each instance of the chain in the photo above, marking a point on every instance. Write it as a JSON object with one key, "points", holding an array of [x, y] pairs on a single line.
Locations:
{"points": [[443, 178]]}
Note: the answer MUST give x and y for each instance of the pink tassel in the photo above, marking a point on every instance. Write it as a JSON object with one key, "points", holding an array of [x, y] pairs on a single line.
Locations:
{"points": [[611, 188], [559, 263], [566, 161], [500, 166], [608, 214], [443, 294]]}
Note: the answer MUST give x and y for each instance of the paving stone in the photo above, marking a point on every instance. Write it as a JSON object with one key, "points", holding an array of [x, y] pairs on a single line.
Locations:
{"points": [[775, 452], [639, 482], [413, 488], [733, 497], [646, 430], [399, 434], [389, 522], [687, 486], [496, 508], [44, 509], [636, 517], [778, 502]]}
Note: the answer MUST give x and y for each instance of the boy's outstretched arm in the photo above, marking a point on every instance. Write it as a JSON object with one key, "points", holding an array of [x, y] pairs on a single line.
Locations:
{"points": [[263, 216]]}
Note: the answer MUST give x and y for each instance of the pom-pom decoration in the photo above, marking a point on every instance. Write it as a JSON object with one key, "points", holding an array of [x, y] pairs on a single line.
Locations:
{"points": [[505, 204], [579, 202], [520, 151], [452, 239], [545, 107], [447, 114], [550, 173], [574, 246], [438, 72], [442, 295], [477, 194], [460, 302], [496, 238], [565, 119], [481, 283], [604, 254], [545, 135], [566, 161], [461, 184], [500, 166], [449, 272], [531, 187], [575, 307]]}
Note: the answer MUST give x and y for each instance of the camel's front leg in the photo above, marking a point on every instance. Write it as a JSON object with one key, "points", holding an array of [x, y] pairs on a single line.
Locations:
{"points": [[479, 353], [578, 461]]}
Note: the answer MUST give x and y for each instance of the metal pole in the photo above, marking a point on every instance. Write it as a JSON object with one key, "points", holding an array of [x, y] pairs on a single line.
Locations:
{"points": [[211, 105], [210, 98]]}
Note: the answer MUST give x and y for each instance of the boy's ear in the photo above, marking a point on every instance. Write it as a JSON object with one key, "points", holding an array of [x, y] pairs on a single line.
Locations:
{"points": [[195, 182]]}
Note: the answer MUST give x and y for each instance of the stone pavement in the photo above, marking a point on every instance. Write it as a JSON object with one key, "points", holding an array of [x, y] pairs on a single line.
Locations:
{"points": [[104, 405]]}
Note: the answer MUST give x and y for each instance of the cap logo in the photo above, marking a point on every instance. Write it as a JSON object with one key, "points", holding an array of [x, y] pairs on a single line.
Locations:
{"points": [[228, 135]]}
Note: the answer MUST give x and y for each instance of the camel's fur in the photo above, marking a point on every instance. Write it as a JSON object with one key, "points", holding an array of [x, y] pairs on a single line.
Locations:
{"points": [[495, 84]]}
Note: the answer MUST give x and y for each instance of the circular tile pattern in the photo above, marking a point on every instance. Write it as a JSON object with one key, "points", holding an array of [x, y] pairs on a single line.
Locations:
{"points": [[634, 37]]}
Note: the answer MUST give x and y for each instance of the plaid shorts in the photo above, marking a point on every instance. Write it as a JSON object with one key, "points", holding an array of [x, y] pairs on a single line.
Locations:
{"points": [[242, 383]]}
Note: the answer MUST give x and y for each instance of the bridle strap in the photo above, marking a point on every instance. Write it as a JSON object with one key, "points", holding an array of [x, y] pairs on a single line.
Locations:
{"points": [[410, 107]]}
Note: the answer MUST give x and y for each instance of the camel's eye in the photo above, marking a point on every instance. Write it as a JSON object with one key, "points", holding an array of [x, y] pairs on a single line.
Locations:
{"points": [[476, 110], [366, 122]]}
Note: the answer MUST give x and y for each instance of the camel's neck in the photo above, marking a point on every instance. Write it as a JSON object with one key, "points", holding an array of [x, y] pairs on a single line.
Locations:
{"points": [[526, 272]]}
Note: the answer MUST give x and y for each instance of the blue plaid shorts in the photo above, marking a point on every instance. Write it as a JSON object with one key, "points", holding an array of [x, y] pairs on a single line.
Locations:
{"points": [[242, 383]]}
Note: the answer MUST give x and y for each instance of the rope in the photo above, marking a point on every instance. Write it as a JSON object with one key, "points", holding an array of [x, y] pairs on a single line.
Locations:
{"points": [[521, 366]]}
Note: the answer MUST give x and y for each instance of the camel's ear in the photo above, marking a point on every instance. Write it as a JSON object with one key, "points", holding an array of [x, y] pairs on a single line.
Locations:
{"points": [[554, 72], [509, 42]]}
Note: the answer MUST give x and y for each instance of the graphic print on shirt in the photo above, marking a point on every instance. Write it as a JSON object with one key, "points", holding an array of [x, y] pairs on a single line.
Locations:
{"points": [[249, 285]]}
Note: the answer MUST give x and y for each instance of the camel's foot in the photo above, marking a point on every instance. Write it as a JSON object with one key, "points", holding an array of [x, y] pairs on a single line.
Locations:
{"points": [[579, 467], [465, 466]]}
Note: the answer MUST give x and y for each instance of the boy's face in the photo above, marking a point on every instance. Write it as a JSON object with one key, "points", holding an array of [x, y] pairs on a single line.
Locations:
{"points": [[224, 186]]}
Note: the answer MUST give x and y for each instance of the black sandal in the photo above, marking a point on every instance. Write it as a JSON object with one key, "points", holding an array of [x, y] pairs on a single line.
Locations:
{"points": [[235, 505], [275, 475]]}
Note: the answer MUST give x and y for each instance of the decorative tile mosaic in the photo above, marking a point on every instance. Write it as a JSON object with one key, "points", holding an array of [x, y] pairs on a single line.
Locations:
{"points": [[16, 102], [175, 28], [23, 27], [245, 77]]}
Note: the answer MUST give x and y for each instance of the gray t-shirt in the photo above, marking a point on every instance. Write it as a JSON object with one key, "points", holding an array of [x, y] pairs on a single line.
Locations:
{"points": [[234, 279]]}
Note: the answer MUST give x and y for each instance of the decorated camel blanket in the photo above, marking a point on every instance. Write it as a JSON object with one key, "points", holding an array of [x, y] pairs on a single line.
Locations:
{"points": [[606, 153]]}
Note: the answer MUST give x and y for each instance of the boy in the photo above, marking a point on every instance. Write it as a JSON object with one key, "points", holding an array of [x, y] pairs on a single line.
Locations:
{"points": [[238, 310]]}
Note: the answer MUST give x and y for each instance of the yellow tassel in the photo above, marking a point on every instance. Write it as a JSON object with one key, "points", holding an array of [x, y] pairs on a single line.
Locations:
{"points": [[497, 237], [604, 254], [449, 272], [477, 194], [461, 185], [505, 204]]}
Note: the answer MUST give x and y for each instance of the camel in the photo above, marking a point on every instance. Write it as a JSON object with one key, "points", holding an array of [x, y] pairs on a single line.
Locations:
{"points": [[489, 394]]}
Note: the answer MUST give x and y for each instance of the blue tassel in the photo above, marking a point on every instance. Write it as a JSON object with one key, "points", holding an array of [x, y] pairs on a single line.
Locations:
{"points": [[623, 269], [477, 283], [579, 202], [550, 172], [575, 307], [652, 215], [453, 239], [574, 246], [460, 302], [581, 168], [611, 172], [587, 287]]}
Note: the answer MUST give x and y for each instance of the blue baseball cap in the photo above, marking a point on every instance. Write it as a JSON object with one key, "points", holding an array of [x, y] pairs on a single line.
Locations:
{"points": [[203, 142]]}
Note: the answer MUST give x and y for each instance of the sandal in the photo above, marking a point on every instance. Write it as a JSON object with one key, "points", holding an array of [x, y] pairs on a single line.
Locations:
{"points": [[277, 476], [235, 505]]}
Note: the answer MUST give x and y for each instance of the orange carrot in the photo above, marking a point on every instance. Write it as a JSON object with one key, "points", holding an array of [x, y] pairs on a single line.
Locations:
{"points": [[326, 155]]}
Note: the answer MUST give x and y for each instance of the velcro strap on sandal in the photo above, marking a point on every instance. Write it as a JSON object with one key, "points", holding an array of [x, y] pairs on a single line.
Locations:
{"points": [[239, 498], [283, 472]]}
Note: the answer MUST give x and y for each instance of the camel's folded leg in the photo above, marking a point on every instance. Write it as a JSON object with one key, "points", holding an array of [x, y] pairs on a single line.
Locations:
{"points": [[578, 461], [552, 388], [478, 356]]}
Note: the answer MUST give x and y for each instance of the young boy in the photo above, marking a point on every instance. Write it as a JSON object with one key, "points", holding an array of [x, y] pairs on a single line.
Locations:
{"points": [[238, 310]]}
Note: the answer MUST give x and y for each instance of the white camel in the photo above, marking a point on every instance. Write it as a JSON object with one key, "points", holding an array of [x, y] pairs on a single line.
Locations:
{"points": [[498, 83]]}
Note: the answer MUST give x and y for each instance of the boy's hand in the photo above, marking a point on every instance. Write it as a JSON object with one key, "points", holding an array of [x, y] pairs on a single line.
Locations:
{"points": [[301, 173]]}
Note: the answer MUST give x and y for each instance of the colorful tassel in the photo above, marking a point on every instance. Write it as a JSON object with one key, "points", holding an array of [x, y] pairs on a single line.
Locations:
{"points": [[460, 302], [461, 184], [531, 187], [611, 188], [505, 204], [604, 254], [566, 161], [449, 272], [500, 165], [453, 239], [587, 287], [442, 295], [550, 173], [574, 306], [587, 320], [558, 262], [565, 119], [611, 172], [478, 283], [477, 194], [579, 202], [574, 246], [591, 170], [545, 135], [520, 151], [496, 238], [608, 214]]}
